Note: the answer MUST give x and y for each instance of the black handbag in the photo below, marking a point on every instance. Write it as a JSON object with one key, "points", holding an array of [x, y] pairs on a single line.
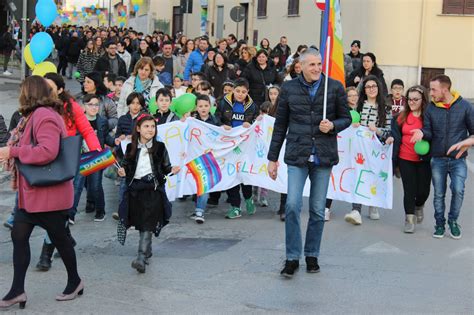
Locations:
{"points": [[64, 167]]}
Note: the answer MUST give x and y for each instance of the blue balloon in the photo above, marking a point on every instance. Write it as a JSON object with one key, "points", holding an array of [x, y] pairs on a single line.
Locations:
{"points": [[46, 12], [136, 7], [123, 13], [122, 24], [41, 46], [74, 13], [98, 12], [83, 9], [84, 14], [92, 7]]}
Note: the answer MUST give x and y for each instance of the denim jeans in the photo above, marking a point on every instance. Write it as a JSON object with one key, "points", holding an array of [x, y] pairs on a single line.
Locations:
{"points": [[95, 190], [201, 203], [457, 171], [319, 177], [78, 183]]}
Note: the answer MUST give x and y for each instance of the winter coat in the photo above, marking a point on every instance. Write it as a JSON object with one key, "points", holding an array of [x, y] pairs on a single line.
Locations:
{"points": [[177, 68], [4, 134], [73, 50], [361, 74], [217, 77], [103, 65], [137, 55], [7, 43], [103, 132], [260, 79], [298, 117], [278, 50], [128, 87], [194, 63], [225, 107], [86, 63], [15, 119], [82, 126], [445, 127], [126, 57]]}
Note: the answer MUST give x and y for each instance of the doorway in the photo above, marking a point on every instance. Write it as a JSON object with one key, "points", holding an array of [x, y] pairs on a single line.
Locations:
{"points": [[428, 73], [177, 20], [220, 22]]}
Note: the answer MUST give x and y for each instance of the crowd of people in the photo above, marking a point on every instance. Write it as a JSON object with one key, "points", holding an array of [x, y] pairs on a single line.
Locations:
{"points": [[122, 71]]}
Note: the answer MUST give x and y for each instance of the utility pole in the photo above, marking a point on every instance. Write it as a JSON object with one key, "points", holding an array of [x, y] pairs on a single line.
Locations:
{"points": [[110, 11], [24, 36]]}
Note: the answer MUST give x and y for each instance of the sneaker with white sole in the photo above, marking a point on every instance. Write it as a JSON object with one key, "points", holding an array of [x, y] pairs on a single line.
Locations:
{"points": [[7, 72], [199, 218], [353, 217], [327, 214], [374, 213]]}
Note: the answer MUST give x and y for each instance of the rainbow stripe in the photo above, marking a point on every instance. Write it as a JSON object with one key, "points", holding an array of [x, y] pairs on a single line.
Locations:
{"points": [[206, 172], [332, 27], [95, 161]]}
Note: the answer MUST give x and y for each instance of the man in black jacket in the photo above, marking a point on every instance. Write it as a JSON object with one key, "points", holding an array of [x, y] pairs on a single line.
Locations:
{"points": [[110, 62], [311, 150]]}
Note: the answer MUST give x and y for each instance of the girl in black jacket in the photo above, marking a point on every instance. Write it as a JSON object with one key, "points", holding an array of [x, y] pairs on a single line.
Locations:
{"points": [[145, 166], [369, 67]]}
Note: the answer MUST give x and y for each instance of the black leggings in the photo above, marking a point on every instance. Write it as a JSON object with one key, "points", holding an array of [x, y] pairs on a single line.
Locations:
{"points": [[62, 65], [55, 224], [416, 179]]}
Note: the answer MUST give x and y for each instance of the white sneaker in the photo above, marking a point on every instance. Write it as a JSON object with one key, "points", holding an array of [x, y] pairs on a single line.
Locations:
{"points": [[353, 217], [374, 213], [327, 214], [7, 73]]}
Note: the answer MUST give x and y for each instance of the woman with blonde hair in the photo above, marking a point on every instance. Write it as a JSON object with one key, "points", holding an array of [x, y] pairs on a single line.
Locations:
{"points": [[143, 80]]}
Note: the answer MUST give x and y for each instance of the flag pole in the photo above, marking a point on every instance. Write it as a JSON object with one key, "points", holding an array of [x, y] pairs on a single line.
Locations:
{"points": [[328, 47]]}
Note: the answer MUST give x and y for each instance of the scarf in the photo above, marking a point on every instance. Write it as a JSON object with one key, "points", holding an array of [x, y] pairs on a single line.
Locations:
{"points": [[142, 86], [15, 137]]}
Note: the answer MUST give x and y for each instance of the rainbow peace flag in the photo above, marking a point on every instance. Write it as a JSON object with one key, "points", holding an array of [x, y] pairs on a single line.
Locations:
{"points": [[206, 172], [332, 27], [95, 161]]}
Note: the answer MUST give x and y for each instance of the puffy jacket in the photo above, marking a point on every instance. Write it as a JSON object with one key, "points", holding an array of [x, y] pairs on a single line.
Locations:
{"points": [[360, 72], [445, 127], [259, 79], [103, 65], [301, 116], [225, 107], [86, 63], [194, 63], [103, 132], [81, 125]]}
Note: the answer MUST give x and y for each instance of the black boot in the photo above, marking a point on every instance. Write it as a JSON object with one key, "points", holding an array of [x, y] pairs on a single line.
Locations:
{"points": [[44, 263], [144, 243], [149, 251]]}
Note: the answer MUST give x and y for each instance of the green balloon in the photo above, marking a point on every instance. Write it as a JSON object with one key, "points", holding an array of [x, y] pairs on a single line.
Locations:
{"points": [[213, 109], [422, 147], [77, 75], [184, 104], [152, 106], [355, 117]]}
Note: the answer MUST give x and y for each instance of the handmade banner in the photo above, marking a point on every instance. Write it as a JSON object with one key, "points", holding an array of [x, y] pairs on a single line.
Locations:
{"points": [[363, 174]]}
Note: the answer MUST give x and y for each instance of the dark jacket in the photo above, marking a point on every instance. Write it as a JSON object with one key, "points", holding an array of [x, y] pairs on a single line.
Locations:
{"points": [[445, 127], [356, 60], [103, 132], [73, 50], [7, 43], [103, 65], [161, 165], [217, 78], [137, 55], [212, 119], [15, 119], [259, 80], [125, 125], [300, 116], [164, 118], [396, 133], [360, 72], [278, 50], [225, 107]]}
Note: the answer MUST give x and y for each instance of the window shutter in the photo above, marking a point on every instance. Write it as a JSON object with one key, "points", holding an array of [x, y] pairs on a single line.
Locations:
{"points": [[293, 7], [453, 6], [469, 7], [262, 8]]}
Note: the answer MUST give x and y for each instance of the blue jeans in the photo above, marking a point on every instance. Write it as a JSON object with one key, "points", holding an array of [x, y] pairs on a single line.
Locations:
{"points": [[95, 189], [457, 171], [201, 203], [78, 183], [319, 177]]}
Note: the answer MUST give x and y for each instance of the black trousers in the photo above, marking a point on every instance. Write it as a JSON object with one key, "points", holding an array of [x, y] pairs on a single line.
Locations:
{"points": [[62, 66], [234, 194], [416, 179]]}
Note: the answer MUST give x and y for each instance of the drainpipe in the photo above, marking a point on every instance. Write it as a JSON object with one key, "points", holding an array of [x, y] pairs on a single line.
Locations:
{"points": [[420, 45]]}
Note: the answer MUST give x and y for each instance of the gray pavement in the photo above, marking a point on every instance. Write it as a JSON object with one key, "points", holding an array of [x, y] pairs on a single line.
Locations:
{"points": [[232, 266]]}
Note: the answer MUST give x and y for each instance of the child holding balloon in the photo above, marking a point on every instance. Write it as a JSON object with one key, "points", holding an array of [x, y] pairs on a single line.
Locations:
{"points": [[414, 168]]}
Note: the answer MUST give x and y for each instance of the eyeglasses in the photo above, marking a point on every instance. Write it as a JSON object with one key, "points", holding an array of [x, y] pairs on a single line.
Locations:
{"points": [[371, 87], [414, 100]]}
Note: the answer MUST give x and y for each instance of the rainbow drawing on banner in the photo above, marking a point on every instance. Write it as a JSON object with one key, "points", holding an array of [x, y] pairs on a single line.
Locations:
{"points": [[206, 172], [95, 161]]}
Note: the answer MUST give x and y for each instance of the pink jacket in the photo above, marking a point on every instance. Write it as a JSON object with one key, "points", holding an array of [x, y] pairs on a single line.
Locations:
{"points": [[48, 127]]}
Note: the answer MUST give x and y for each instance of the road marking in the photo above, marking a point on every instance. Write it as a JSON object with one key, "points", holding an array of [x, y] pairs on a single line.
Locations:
{"points": [[382, 248]]}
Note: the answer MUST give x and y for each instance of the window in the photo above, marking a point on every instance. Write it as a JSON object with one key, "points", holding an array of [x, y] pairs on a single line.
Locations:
{"points": [[293, 7], [458, 6], [262, 8]]}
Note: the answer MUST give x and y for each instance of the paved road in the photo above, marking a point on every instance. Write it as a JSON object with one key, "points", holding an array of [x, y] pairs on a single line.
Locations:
{"points": [[232, 266]]}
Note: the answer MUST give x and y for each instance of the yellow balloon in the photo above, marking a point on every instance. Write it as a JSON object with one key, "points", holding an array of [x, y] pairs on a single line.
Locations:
{"points": [[45, 67], [139, 2], [29, 57]]}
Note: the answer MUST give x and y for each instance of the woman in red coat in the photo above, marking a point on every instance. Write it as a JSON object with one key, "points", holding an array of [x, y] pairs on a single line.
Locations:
{"points": [[43, 206]]}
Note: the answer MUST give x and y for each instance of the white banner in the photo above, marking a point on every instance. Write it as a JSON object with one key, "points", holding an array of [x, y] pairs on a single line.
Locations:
{"points": [[363, 174]]}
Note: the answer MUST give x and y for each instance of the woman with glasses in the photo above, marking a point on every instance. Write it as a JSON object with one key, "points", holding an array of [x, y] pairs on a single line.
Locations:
{"points": [[414, 169], [375, 115]]}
